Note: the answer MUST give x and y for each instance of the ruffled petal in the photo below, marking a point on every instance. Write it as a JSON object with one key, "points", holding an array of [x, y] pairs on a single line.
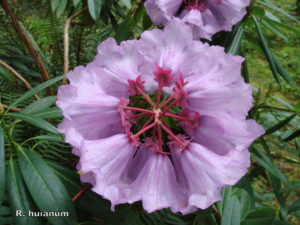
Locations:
{"points": [[161, 11], [107, 159], [222, 135], [207, 172], [119, 63], [156, 185], [93, 115], [166, 48], [215, 17]]}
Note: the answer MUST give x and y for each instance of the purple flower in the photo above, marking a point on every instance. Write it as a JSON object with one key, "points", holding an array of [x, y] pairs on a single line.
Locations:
{"points": [[160, 120], [205, 17]]}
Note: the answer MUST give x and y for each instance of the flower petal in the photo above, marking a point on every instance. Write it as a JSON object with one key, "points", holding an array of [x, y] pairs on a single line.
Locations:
{"points": [[207, 172], [94, 115], [119, 63], [107, 159], [156, 185], [161, 11]]}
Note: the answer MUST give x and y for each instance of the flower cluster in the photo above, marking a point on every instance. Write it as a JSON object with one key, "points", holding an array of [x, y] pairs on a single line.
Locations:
{"points": [[205, 17], [160, 120]]}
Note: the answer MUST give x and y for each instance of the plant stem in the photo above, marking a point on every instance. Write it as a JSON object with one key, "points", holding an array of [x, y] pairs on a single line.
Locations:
{"points": [[18, 76], [35, 55], [66, 41]]}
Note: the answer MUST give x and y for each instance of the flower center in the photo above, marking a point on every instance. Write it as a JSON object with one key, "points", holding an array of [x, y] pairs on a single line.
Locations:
{"points": [[156, 120], [198, 4]]}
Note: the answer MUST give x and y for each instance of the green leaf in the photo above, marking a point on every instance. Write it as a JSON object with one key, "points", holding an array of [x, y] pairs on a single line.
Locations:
{"points": [[19, 197], [292, 135], [275, 8], [89, 202], [5, 220], [281, 222], [264, 46], [127, 3], [124, 29], [226, 193], [274, 30], [262, 216], [236, 42], [35, 121], [245, 201], [61, 7], [283, 25], [7, 74], [54, 4], [279, 125], [245, 72], [37, 89], [295, 206], [55, 138], [39, 105], [47, 190], [276, 185], [266, 162], [291, 187], [52, 113], [2, 166], [76, 2], [282, 72], [4, 211], [95, 8], [232, 212]]}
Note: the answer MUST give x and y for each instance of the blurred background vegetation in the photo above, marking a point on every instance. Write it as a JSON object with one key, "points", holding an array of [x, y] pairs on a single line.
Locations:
{"points": [[269, 39]]}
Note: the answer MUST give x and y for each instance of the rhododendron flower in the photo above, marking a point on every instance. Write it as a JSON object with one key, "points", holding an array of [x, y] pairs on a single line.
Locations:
{"points": [[160, 120], [206, 17]]}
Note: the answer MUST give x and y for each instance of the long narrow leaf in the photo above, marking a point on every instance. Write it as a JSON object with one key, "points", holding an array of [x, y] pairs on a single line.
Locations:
{"points": [[20, 200], [37, 89], [39, 105], [236, 41], [2, 166], [279, 125], [264, 46], [35, 121], [46, 188]]}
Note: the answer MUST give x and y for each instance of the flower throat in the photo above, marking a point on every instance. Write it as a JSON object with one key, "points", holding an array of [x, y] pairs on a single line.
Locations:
{"points": [[156, 120]]}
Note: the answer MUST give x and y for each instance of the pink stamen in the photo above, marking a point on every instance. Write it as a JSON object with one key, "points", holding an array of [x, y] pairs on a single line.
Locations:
{"points": [[167, 101], [162, 76], [159, 137], [139, 115], [178, 117], [138, 110], [142, 131], [196, 4], [148, 122], [146, 97], [159, 95], [133, 84], [168, 108], [172, 135], [162, 153]]}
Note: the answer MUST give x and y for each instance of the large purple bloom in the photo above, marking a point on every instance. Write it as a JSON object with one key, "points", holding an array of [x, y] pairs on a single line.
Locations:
{"points": [[160, 120], [205, 17]]}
